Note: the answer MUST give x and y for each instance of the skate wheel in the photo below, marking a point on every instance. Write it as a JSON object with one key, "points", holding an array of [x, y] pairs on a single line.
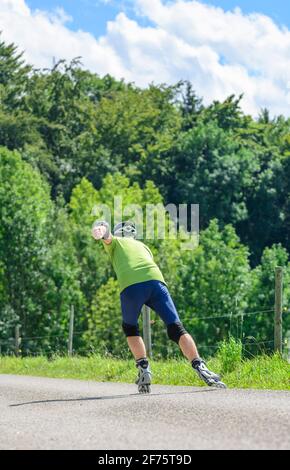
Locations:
{"points": [[220, 385], [144, 389]]}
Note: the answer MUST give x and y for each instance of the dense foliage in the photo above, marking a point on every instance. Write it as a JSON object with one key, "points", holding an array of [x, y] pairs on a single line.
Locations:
{"points": [[70, 140]]}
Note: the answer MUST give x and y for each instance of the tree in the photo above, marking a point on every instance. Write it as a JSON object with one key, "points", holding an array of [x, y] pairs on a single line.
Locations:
{"points": [[37, 259], [94, 268], [14, 76], [104, 334], [138, 128], [24, 210], [190, 105], [213, 170], [259, 327], [216, 281], [228, 114]]}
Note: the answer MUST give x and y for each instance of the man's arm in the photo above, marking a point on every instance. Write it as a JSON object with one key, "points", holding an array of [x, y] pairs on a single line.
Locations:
{"points": [[101, 231]]}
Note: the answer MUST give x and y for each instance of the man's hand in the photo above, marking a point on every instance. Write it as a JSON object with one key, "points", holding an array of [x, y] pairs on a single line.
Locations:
{"points": [[99, 232]]}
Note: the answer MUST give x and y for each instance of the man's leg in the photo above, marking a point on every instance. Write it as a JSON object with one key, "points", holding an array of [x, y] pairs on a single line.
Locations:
{"points": [[188, 347], [163, 304], [178, 334], [137, 347], [132, 299]]}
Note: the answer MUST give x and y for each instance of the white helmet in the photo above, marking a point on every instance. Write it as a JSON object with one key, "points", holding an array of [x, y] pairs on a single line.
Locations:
{"points": [[125, 229]]}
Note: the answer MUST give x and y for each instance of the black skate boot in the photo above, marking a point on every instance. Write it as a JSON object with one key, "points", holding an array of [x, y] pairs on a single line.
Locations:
{"points": [[144, 376], [210, 378]]}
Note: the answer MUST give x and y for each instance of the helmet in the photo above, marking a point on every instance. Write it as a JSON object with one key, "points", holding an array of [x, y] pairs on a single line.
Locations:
{"points": [[125, 229]]}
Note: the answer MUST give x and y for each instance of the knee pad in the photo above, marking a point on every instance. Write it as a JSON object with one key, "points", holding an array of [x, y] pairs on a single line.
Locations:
{"points": [[130, 330], [175, 331]]}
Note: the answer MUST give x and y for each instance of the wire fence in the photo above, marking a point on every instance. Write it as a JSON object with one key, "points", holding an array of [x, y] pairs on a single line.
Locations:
{"points": [[236, 315], [76, 333], [12, 346]]}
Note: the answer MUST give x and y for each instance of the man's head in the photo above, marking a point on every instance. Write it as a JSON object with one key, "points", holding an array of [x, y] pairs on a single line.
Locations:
{"points": [[125, 229]]}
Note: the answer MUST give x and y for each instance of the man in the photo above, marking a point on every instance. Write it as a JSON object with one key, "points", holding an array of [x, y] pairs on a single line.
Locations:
{"points": [[141, 282]]}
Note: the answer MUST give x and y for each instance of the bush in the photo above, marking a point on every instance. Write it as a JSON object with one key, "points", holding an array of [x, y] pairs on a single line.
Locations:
{"points": [[230, 354]]}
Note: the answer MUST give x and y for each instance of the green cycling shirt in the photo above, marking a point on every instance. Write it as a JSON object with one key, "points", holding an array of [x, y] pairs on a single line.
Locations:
{"points": [[132, 261]]}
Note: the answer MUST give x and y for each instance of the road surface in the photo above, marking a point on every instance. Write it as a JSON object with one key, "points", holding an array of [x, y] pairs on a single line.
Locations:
{"points": [[41, 413]]}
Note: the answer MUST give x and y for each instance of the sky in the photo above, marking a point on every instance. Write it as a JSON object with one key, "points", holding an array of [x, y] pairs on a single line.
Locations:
{"points": [[92, 15], [222, 46]]}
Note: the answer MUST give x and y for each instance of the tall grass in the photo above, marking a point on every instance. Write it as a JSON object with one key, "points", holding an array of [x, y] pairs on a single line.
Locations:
{"points": [[230, 354], [264, 372]]}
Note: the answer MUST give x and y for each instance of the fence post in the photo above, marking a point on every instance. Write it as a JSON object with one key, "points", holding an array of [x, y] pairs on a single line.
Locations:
{"points": [[17, 340], [278, 309], [71, 331], [288, 347], [147, 330]]}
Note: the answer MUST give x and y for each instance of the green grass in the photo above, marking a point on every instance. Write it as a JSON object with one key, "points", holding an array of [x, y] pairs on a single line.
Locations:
{"points": [[263, 372]]}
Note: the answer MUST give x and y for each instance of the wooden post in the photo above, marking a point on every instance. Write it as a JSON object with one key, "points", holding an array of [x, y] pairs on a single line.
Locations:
{"points": [[147, 330], [17, 340], [278, 309], [288, 347], [71, 331]]}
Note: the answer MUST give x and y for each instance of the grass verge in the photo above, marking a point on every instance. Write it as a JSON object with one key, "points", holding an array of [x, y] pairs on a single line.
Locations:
{"points": [[263, 372]]}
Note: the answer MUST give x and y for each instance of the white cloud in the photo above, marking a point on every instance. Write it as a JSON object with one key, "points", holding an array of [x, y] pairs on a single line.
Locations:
{"points": [[15, 6], [219, 52], [44, 36]]}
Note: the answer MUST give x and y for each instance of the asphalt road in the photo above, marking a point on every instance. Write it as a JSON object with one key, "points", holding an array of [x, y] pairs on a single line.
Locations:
{"points": [[40, 413]]}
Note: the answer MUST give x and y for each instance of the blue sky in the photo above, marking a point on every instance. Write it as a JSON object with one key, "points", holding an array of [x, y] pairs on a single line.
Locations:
{"points": [[88, 15], [277, 9], [92, 15]]}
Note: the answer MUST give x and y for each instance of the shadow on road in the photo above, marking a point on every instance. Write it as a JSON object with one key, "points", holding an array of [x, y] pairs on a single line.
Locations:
{"points": [[113, 397]]}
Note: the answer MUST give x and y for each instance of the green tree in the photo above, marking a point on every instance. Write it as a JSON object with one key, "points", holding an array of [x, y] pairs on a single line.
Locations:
{"points": [[138, 127], [190, 105], [216, 281], [104, 334], [227, 114], [259, 327], [213, 170], [94, 268], [37, 260], [14, 75], [24, 211]]}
